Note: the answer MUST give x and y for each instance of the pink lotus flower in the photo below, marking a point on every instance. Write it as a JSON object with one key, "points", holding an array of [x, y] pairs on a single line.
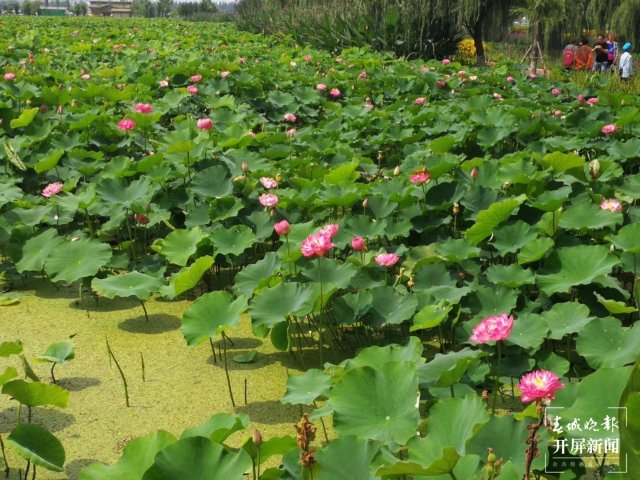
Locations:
{"points": [[282, 228], [420, 101], [555, 92], [441, 83], [532, 76], [331, 230], [204, 124], [52, 189], [268, 200], [358, 244], [422, 176], [321, 87], [510, 79], [610, 204], [425, 69], [446, 61], [290, 117], [192, 89], [225, 74], [498, 97], [291, 132], [196, 78], [86, 76], [461, 73], [316, 245], [163, 84], [126, 124], [581, 99], [474, 172], [362, 75], [140, 218], [242, 60], [593, 101], [368, 105], [10, 76], [144, 108], [539, 385], [609, 129], [268, 182], [334, 93], [43, 108], [252, 134], [387, 259], [493, 329], [557, 113], [307, 58]]}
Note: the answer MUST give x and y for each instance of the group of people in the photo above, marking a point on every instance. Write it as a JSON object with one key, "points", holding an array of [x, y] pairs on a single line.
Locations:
{"points": [[603, 57]]}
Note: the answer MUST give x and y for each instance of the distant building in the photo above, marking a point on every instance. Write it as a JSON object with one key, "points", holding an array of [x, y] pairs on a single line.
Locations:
{"points": [[106, 8], [53, 11]]}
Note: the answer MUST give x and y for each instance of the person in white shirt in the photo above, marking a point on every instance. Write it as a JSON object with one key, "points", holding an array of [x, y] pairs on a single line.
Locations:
{"points": [[626, 62]]}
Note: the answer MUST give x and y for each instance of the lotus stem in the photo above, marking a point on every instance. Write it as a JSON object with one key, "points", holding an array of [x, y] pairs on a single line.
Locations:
{"points": [[213, 351], [144, 309], [142, 365], [226, 370], [26, 470], [496, 385], [245, 392], [320, 322], [124, 380], [291, 266], [7, 469], [324, 427], [53, 378]]}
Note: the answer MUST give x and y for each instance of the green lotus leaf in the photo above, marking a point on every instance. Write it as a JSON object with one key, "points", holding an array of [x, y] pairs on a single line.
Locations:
{"points": [[352, 306], [435, 282], [249, 357], [256, 275], [430, 316], [560, 162], [377, 404], [554, 363], [35, 394], [212, 182], [306, 388], [9, 374], [10, 298], [356, 452], [343, 174], [74, 260], [187, 277], [487, 220], [391, 307], [566, 318], [330, 271], [37, 445], [629, 423], [630, 186], [60, 352], [198, 458], [529, 331], [212, 314], [362, 226], [534, 250], [219, 427], [49, 161], [234, 240], [138, 455], [457, 250], [604, 342], [10, 348], [613, 306], [281, 336], [628, 238], [511, 276], [588, 216], [179, 245], [447, 369], [273, 305], [25, 118], [119, 192], [571, 266], [552, 199], [130, 284], [487, 301], [442, 144], [513, 237]]}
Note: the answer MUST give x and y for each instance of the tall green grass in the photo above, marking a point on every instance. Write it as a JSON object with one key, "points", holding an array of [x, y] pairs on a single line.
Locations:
{"points": [[408, 28]]}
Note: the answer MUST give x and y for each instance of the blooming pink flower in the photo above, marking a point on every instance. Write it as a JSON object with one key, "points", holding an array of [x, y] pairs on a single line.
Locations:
{"points": [[362, 75], [420, 101], [593, 101], [387, 259], [268, 200], [422, 176], [192, 89], [532, 76], [331, 230], [225, 74], [368, 105], [610, 204], [497, 96], [441, 83], [555, 92], [609, 129], [321, 87], [10, 76], [358, 244], [52, 189], [446, 61], [316, 244], [461, 73], [282, 228], [539, 385], [196, 78], [290, 117], [144, 108], [163, 84], [557, 113], [291, 132], [242, 60], [268, 182], [510, 79], [140, 218], [126, 124], [334, 93], [425, 69], [493, 329], [204, 124], [86, 76]]}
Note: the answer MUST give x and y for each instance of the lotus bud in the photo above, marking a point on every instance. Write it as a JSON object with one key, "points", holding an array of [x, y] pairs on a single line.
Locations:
{"points": [[491, 458], [456, 208], [245, 167], [28, 102], [474, 172], [43, 108], [257, 437], [506, 185], [594, 168], [396, 171], [365, 203]]}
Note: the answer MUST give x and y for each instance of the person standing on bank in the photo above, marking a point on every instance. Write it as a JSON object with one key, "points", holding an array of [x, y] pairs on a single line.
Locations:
{"points": [[601, 54], [626, 63], [583, 57], [612, 51]]}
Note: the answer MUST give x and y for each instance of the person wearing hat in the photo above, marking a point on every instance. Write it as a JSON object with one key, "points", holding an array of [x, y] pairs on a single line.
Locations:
{"points": [[626, 62]]}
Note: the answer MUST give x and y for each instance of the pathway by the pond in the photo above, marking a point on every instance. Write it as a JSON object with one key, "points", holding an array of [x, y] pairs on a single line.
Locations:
{"points": [[183, 386]]}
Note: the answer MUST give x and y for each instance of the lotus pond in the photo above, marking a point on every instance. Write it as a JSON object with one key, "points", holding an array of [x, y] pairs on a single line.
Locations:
{"points": [[438, 267]]}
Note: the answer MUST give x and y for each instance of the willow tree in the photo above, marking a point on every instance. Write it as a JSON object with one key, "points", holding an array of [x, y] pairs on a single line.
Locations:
{"points": [[620, 16], [479, 16]]}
